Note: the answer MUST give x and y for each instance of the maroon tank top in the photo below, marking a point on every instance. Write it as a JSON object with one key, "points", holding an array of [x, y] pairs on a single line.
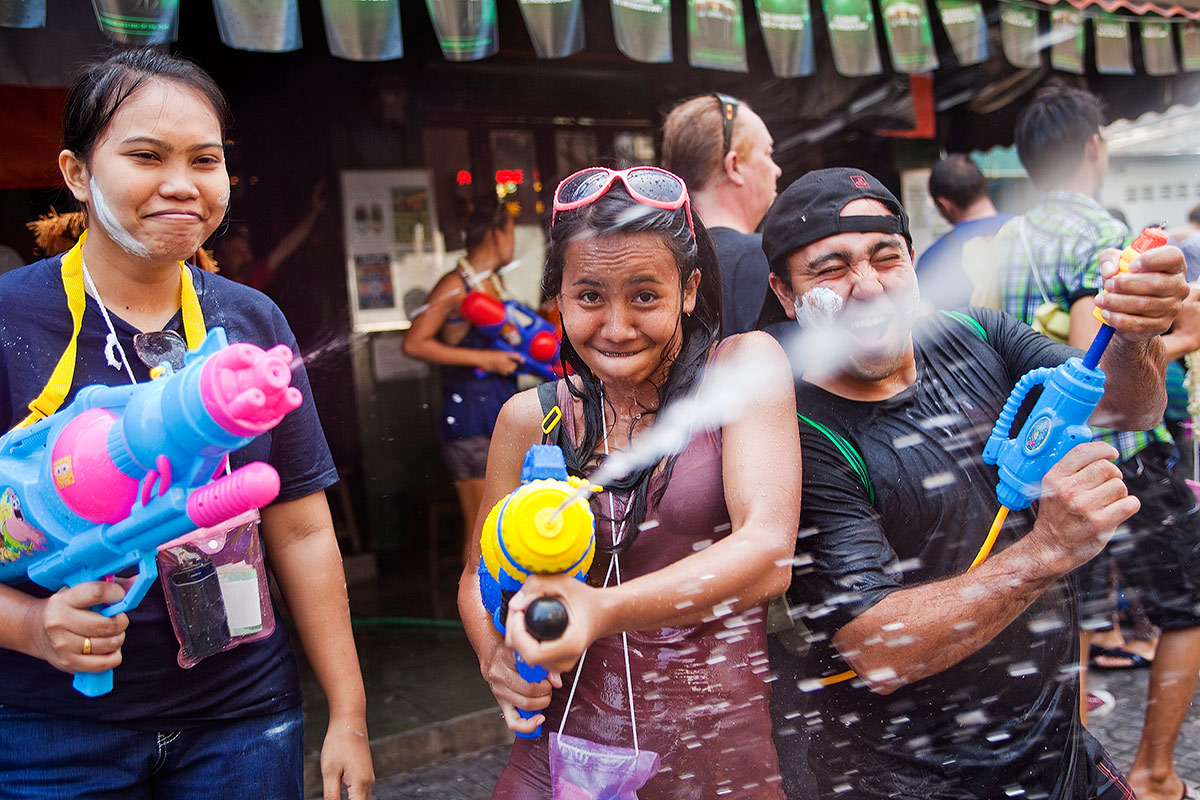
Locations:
{"points": [[700, 691]]}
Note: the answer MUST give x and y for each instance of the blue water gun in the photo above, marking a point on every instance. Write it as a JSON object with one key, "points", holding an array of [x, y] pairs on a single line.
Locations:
{"points": [[98, 486], [530, 531], [1058, 421], [517, 329]]}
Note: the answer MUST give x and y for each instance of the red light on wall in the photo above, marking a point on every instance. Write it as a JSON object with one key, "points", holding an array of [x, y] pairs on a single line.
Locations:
{"points": [[463, 177], [510, 176]]}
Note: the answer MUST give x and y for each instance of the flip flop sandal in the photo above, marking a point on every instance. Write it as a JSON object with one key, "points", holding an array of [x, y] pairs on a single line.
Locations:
{"points": [[1133, 660]]}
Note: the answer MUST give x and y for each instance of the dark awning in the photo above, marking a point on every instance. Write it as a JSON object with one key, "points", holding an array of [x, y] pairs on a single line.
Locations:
{"points": [[945, 73]]}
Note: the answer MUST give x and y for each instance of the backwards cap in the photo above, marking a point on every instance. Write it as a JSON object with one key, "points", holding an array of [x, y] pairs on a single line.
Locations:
{"points": [[809, 210]]}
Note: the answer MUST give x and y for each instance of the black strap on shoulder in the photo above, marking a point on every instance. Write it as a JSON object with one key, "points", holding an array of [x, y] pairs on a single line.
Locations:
{"points": [[548, 397], [552, 424]]}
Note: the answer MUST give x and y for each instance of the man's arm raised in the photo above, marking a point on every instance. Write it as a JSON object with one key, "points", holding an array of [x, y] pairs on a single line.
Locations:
{"points": [[1140, 305]]}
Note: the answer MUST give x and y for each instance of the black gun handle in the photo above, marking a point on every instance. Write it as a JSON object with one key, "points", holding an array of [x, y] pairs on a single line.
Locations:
{"points": [[546, 618]]}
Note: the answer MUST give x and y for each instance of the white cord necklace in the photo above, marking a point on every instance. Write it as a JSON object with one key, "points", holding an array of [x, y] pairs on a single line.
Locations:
{"points": [[613, 565], [111, 344]]}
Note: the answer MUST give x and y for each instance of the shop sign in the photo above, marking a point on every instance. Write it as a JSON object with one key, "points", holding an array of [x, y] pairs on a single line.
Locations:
{"points": [[716, 35], [967, 29], [266, 26], [1066, 35], [1114, 53], [787, 34], [909, 35], [22, 13], [643, 29], [465, 29], [555, 26], [1158, 49], [851, 27]]}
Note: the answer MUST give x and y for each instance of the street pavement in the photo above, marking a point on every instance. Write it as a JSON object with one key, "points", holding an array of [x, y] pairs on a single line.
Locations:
{"points": [[472, 777]]}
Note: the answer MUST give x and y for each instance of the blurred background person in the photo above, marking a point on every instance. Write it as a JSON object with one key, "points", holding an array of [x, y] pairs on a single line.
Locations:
{"points": [[959, 192], [235, 257], [1050, 255], [723, 151], [1188, 239], [476, 379]]}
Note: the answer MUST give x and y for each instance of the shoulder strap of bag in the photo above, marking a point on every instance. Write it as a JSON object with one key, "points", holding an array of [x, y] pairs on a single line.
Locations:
{"points": [[552, 427], [55, 391], [1037, 278]]}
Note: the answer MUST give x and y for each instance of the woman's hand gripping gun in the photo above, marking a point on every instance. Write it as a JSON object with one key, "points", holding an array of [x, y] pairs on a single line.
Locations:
{"points": [[1057, 422], [526, 533], [98, 486]]}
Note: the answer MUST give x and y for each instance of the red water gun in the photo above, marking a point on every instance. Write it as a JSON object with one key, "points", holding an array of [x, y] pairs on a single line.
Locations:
{"points": [[518, 329]]}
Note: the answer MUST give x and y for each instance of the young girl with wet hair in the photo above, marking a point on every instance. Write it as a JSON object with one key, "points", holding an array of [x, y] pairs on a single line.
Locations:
{"points": [[700, 539]]}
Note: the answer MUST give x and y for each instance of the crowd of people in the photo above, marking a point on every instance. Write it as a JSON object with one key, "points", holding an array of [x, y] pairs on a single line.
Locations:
{"points": [[801, 599]]}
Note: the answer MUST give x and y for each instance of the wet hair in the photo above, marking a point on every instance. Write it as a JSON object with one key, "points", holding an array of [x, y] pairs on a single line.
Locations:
{"points": [[103, 86], [693, 135], [486, 214], [617, 214], [1054, 128], [957, 178]]}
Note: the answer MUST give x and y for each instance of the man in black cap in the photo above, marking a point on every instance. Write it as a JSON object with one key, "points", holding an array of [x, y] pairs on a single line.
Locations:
{"points": [[926, 678]]}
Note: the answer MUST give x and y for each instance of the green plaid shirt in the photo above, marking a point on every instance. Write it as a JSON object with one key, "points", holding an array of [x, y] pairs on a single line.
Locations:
{"points": [[1066, 232]]}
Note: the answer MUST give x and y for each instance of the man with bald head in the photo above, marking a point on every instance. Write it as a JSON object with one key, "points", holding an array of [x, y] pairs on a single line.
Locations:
{"points": [[723, 151], [925, 677]]}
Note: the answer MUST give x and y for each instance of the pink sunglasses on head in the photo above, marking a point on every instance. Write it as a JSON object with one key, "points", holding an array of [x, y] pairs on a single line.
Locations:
{"points": [[649, 186]]}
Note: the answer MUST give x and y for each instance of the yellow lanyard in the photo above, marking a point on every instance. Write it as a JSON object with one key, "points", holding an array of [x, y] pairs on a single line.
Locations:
{"points": [[56, 389]]}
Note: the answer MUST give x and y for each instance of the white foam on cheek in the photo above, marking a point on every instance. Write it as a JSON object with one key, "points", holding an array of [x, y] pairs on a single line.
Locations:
{"points": [[108, 220], [817, 307]]}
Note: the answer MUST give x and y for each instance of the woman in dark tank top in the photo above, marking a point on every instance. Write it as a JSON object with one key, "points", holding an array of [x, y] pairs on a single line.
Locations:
{"points": [[701, 539]]}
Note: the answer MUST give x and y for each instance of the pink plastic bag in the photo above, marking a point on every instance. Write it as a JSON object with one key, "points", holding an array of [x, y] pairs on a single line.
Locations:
{"points": [[584, 770], [215, 582]]}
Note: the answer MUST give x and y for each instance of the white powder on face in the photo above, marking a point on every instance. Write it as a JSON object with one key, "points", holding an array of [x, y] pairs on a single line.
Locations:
{"points": [[817, 307], [108, 220]]}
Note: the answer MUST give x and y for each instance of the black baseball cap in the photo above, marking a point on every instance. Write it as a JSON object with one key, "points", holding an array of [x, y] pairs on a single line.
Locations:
{"points": [[809, 210]]}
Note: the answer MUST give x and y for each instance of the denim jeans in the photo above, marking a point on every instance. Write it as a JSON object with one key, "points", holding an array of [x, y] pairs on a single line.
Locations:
{"points": [[52, 757]]}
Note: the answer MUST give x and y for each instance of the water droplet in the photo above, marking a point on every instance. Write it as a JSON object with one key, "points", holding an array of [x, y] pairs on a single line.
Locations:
{"points": [[976, 717], [938, 481]]}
